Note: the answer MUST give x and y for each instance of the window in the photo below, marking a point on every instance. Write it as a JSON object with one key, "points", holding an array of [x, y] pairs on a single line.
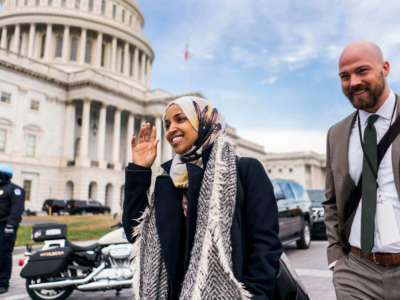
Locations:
{"points": [[16, 3], [27, 185], [123, 16], [103, 7], [122, 60], [103, 54], [5, 97], [63, 2], [37, 2], [287, 190], [77, 3], [74, 48], [114, 11], [59, 44], [90, 5], [49, 2], [43, 46], [30, 145], [3, 139], [35, 105], [26, 2], [88, 51], [130, 20]]}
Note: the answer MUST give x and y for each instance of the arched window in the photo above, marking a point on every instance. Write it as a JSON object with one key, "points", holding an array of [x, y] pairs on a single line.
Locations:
{"points": [[74, 48], [69, 190], [109, 191], [59, 45], [92, 192]]}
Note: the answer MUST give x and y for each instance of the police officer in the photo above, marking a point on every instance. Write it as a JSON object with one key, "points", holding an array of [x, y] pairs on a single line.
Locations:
{"points": [[12, 199]]}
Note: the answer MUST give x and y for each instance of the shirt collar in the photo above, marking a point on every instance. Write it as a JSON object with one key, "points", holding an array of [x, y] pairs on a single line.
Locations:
{"points": [[385, 111]]}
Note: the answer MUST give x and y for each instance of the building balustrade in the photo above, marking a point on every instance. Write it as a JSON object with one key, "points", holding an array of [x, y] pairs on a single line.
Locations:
{"points": [[36, 41]]}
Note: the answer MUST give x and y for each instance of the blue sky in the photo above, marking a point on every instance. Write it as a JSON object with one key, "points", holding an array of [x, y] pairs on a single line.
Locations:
{"points": [[269, 66]]}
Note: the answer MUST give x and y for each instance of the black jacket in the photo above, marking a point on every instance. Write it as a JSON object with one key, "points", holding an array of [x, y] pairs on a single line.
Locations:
{"points": [[255, 248], [12, 201]]}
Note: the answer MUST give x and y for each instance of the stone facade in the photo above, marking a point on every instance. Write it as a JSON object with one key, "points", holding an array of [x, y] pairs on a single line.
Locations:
{"points": [[75, 79], [307, 168]]}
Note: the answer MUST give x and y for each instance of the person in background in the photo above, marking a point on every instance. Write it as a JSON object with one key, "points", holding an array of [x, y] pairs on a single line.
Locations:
{"points": [[12, 201], [193, 238], [362, 207]]}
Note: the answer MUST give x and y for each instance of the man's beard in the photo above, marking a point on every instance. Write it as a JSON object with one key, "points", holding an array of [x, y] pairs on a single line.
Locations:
{"points": [[373, 96]]}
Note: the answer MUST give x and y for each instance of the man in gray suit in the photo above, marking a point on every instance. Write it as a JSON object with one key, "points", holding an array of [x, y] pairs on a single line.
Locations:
{"points": [[363, 227]]}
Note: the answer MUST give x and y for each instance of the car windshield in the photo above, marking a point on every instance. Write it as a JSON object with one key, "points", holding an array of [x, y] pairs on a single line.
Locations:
{"points": [[316, 195]]}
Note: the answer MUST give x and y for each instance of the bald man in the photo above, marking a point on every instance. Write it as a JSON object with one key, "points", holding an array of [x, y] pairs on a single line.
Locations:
{"points": [[363, 224]]}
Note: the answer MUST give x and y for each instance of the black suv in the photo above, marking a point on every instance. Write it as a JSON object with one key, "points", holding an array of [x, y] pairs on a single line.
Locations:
{"points": [[83, 207], [96, 207], [54, 206], [295, 212], [318, 229]]}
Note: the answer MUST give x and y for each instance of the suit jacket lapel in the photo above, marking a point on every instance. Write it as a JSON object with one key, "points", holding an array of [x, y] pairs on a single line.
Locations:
{"points": [[396, 153], [343, 145]]}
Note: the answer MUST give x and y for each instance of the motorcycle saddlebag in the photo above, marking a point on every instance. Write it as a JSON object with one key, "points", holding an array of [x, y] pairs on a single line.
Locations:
{"points": [[47, 263], [49, 231]]}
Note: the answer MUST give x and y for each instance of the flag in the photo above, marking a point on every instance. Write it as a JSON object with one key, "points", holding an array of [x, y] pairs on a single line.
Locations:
{"points": [[187, 53]]}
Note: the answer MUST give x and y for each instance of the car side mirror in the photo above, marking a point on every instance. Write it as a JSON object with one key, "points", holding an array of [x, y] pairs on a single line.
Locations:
{"points": [[280, 197]]}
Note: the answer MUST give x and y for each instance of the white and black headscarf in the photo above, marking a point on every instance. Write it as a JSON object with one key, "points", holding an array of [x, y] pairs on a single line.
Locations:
{"points": [[208, 123]]}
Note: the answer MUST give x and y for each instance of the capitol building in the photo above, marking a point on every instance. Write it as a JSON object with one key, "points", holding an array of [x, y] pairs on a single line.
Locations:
{"points": [[75, 85]]}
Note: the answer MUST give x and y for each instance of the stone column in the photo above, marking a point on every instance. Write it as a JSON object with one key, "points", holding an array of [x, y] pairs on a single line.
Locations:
{"points": [[126, 59], [136, 64], [99, 50], [113, 53], [31, 42], [102, 137], [143, 68], [116, 139], [69, 131], [66, 44], [82, 48], [17, 32], [49, 33], [129, 134], [3, 42], [158, 137], [148, 73], [83, 159]]}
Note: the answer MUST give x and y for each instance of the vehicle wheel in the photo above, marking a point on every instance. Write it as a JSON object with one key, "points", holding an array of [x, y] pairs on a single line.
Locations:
{"points": [[305, 237], [48, 294]]}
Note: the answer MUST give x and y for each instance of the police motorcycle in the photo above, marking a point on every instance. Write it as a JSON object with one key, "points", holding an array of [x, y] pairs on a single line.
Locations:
{"points": [[59, 267]]}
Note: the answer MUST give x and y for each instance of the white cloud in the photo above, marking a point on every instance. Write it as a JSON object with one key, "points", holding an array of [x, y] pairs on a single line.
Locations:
{"points": [[275, 140], [269, 80]]}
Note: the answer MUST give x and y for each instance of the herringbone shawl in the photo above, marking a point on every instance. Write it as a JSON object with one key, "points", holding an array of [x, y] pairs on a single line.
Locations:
{"points": [[209, 275]]}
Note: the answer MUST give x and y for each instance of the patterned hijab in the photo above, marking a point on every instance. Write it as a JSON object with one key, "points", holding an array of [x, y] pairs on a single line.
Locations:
{"points": [[208, 123]]}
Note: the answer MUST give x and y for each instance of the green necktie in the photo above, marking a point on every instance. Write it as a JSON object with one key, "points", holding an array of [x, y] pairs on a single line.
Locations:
{"points": [[368, 187]]}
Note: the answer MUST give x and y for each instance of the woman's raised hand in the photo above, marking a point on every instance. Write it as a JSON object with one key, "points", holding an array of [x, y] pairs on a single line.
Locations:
{"points": [[144, 152]]}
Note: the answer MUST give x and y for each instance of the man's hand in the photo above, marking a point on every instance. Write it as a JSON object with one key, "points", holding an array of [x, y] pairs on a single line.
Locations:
{"points": [[9, 230]]}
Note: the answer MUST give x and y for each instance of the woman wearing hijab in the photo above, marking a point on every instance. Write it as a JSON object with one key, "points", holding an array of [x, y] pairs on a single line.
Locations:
{"points": [[193, 239]]}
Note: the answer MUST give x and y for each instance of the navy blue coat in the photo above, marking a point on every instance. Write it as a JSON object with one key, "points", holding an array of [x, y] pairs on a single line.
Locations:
{"points": [[255, 245]]}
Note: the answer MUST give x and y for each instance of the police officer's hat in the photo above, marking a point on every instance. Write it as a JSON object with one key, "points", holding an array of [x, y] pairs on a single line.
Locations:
{"points": [[6, 169]]}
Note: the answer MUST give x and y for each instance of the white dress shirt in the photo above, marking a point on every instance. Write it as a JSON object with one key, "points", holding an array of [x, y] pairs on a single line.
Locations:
{"points": [[386, 192]]}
